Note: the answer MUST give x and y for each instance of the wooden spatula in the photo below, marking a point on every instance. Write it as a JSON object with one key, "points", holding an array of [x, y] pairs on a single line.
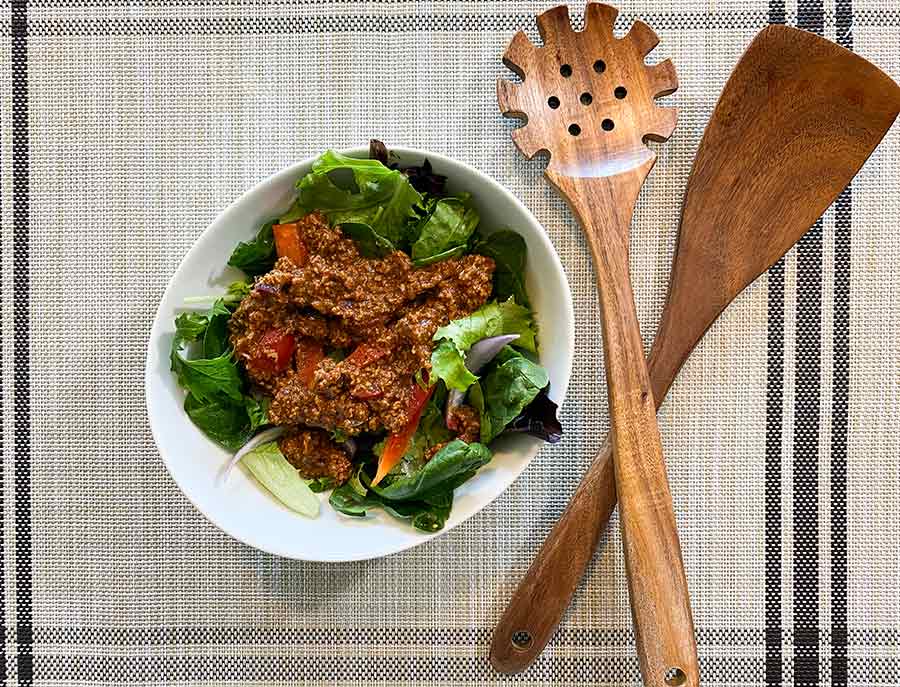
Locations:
{"points": [[589, 101], [797, 119]]}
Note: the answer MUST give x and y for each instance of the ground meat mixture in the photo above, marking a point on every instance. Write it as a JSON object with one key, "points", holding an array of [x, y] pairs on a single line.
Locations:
{"points": [[381, 313], [314, 455], [465, 422]]}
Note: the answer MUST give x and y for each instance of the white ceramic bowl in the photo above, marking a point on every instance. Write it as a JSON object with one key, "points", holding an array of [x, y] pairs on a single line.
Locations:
{"points": [[242, 508]]}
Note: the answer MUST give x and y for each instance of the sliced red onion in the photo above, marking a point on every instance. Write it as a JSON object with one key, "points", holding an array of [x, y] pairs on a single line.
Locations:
{"points": [[484, 351], [481, 353], [263, 287], [263, 437]]}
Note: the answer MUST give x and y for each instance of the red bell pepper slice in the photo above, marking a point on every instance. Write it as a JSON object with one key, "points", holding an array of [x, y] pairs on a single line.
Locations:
{"points": [[397, 444], [289, 245], [273, 352], [309, 354], [365, 354]]}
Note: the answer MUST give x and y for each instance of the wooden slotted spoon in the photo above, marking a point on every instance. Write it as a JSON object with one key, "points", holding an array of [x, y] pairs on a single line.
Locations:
{"points": [[588, 100], [797, 119]]}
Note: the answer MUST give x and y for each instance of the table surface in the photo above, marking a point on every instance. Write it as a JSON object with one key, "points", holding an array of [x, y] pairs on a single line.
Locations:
{"points": [[127, 126]]}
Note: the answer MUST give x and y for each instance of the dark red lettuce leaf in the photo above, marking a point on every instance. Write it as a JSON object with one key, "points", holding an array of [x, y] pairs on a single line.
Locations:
{"points": [[539, 419], [421, 177], [425, 180]]}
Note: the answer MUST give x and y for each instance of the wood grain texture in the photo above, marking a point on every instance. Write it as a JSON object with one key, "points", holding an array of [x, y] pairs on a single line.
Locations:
{"points": [[796, 120], [589, 101]]}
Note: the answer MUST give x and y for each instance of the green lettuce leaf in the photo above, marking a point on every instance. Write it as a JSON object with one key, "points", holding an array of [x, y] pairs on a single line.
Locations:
{"points": [[378, 198], [215, 338], [448, 364], [257, 256], [215, 402], [509, 252], [489, 320], [506, 390], [446, 232], [281, 479], [456, 338], [190, 326]]}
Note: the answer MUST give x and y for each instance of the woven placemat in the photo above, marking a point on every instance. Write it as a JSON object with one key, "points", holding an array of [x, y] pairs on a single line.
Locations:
{"points": [[127, 126]]}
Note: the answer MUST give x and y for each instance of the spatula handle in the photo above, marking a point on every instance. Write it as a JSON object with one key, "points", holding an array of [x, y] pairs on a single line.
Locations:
{"points": [[658, 591]]}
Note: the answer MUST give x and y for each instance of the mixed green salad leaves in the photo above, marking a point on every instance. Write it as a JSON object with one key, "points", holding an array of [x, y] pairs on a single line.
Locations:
{"points": [[487, 360]]}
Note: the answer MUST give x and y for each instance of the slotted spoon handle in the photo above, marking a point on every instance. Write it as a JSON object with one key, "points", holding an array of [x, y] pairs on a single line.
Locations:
{"points": [[660, 603]]}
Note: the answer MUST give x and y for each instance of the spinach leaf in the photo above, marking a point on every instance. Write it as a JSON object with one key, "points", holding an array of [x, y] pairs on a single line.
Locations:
{"points": [[220, 419], [428, 516], [317, 486], [507, 390], [346, 500], [455, 459], [509, 252], [209, 378], [447, 229], [446, 255], [378, 197], [257, 256], [371, 244], [433, 517]]}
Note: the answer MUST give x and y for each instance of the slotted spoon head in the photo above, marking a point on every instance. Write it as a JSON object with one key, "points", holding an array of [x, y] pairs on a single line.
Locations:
{"points": [[587, 96]]}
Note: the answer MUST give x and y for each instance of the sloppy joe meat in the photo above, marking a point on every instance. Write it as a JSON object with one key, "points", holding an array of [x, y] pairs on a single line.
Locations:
{"points": [[314, 455], [380, 314]]}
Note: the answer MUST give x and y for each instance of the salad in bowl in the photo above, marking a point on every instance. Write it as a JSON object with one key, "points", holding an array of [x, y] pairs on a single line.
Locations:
{"points": [[376, 348]]}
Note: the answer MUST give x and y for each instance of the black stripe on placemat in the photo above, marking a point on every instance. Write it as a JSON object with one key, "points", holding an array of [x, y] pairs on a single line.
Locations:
{"points": [[21, 362], [306, 23], [325, 667], [807, 416], [840, 380], [774, 437], [3, 633], [774, 429], [707, 637]]}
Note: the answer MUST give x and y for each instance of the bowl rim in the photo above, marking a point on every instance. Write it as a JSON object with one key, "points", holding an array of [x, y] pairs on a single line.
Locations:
{"points": [[294, 168]]}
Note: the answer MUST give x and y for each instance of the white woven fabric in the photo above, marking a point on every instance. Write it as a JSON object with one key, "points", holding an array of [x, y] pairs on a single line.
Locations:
{"points": [[145, 119]]}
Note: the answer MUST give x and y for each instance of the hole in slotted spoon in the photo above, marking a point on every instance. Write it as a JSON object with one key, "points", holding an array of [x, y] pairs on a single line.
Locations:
{"points": [[566, 70], [608, 124], [553, 102], [574, 129], [620, 92], [522, 640], [599, 66], [675, 677], [586, 98]]}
